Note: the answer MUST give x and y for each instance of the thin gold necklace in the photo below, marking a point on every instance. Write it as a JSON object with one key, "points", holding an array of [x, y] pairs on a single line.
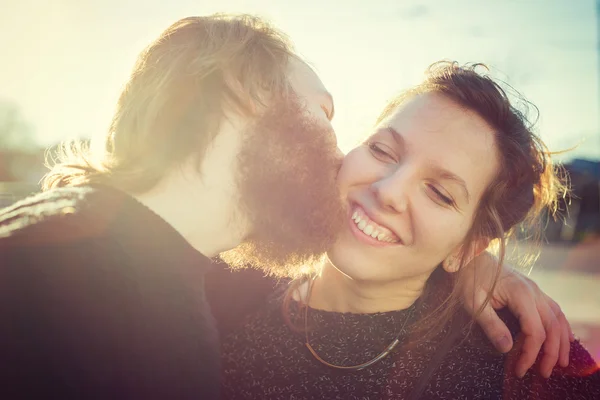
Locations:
{"points": [[381, 355]]}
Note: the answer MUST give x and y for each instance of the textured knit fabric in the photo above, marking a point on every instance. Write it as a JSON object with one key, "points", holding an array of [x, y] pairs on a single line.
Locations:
{"points": [[265, 359], [100, 298]]}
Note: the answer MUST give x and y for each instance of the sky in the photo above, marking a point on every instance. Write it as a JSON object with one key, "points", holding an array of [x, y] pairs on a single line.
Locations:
{"points": [[65, 61]]}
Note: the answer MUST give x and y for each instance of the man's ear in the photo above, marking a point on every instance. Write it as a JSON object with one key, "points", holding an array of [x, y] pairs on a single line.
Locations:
{"points": [[453, 263]]}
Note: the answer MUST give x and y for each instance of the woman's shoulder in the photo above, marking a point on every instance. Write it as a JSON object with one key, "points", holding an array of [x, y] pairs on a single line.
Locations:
{"points": [[580, 379]]}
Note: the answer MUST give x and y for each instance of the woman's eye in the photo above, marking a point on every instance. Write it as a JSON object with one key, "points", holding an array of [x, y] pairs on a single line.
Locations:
{"points": [[382, 152], [442, 197]]}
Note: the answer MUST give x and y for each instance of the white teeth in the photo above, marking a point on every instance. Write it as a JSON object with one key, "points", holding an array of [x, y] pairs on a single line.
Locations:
{"points": [[369, 230]]}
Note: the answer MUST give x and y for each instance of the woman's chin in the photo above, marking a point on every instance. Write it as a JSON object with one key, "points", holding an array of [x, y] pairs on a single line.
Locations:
{"points": [[352, 264]]}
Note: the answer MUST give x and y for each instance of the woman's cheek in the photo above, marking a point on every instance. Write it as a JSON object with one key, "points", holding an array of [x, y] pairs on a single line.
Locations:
{"points": [[358, 167], [433, 223]]}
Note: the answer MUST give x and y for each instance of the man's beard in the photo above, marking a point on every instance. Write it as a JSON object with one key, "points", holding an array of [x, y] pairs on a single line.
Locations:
{"points": [[287, 182]]}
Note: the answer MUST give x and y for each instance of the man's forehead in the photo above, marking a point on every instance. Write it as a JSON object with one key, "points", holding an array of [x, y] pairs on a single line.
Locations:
{"points": [[304, 79]]}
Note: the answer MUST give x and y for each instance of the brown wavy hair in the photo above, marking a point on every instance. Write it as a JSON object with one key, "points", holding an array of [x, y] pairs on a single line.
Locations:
{"points": [[526, 184], [181, 88]]}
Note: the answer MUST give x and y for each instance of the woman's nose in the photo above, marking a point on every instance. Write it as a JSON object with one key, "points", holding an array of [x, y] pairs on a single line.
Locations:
{"points": [[391, 192]]}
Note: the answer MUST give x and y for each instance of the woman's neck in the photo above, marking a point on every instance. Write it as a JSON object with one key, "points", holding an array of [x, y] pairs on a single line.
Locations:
{"points": [[332, 290]]}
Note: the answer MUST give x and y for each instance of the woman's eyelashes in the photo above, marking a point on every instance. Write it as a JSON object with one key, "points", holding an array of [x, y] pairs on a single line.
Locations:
{"points": [[441, 196]]}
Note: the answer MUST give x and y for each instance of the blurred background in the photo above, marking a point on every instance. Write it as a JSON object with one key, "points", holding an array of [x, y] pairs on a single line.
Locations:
{"points": [[65, 61]]}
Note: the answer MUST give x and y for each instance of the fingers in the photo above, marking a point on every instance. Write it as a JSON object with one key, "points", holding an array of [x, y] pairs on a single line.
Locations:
{"points": [[565, 333], [532, 331], [495, 329], [531, 348], [552, 343], [542, 323]]}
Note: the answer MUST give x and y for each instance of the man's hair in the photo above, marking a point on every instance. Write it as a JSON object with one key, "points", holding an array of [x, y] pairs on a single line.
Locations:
{"points": [[183, 85]]}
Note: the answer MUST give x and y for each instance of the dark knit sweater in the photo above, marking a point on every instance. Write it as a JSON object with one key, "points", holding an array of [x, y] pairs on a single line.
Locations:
{"points": [[265, 359], [100, 298]]}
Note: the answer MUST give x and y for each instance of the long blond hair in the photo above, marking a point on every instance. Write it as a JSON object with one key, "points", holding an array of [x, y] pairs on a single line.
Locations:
{"points": [[182, 86]]}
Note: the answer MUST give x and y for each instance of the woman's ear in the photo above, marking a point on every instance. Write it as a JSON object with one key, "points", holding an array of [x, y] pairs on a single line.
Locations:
{"points": [[453, 262]]}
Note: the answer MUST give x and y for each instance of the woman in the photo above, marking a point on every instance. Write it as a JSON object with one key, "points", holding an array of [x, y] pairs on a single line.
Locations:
{"points": [[451, 168]]}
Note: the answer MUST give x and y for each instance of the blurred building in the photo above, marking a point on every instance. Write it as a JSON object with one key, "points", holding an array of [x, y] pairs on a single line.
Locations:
{"points": [[20, 174], [580, 210]]}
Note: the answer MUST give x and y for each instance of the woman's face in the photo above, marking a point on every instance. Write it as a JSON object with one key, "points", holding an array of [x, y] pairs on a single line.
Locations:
{"points": [[412, 190]]}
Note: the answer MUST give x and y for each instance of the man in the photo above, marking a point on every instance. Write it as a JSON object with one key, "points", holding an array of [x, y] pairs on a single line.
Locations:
{"points": [[221, 143]]}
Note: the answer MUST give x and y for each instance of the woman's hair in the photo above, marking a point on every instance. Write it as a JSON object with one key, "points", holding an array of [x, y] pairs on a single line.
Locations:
{"points": [[181, 88], [526, 183]]}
